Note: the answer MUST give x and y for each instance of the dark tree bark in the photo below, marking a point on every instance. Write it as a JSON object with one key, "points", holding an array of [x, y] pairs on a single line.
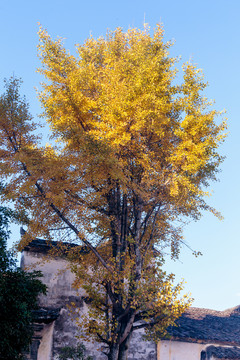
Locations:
{"points": [[124, 347], [113, 352]]}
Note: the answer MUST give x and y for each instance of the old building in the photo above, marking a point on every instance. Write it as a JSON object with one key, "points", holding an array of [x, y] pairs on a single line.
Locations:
{"points": [[200, 334], [55, 326], [203, 334]]}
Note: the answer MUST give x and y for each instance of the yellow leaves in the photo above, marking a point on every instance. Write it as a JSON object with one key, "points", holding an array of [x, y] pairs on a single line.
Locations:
{"points": [[168, 307], [174, 190], [111, 75], [118, 92], [154, 296], [134, 153]]}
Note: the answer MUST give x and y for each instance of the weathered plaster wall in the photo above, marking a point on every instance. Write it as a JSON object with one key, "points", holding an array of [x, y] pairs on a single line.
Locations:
{"points": [[140, 349], [61, 294], [51, 335], [177, 350], [181, 350], [63, 332], [56, 275], [45, 347]]}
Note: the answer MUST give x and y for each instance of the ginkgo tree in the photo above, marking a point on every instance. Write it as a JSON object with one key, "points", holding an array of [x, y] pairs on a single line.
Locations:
{"points": [[134, 153]]}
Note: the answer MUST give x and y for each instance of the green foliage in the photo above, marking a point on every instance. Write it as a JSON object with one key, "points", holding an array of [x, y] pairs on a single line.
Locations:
{"points": [[5, 259], [6, 215], [18, 296], [71, 353]]}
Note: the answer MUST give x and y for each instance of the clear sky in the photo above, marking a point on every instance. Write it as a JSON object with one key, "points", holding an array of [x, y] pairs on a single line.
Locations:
{"points": [[206, 31]]}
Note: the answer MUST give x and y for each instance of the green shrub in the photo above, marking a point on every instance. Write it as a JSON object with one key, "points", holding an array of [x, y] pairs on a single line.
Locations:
{"points": [[72, 353]]}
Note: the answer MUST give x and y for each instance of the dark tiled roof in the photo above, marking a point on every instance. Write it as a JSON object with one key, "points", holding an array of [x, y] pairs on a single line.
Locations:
{"points": [[45, 315], [45, 247], [204, 325], [221, 353], [39, 245]]}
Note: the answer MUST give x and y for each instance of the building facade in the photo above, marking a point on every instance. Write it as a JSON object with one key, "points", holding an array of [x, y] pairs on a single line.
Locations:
{"points": [[200, 334]]}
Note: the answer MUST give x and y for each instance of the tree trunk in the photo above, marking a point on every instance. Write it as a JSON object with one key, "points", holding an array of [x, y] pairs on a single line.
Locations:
{"points": [[113, 352], [123, 349]]}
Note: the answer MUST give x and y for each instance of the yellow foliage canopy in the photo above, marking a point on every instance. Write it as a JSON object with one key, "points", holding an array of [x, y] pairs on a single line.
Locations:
{"points": [[134, 152], [120, 117]]}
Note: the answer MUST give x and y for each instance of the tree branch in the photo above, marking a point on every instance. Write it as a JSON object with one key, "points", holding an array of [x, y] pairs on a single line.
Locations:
{"points": [[144, 325], [66, 221], [103, 339], [128, 328]]}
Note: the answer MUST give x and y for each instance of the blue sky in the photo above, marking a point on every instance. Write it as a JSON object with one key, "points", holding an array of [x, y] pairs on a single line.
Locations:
{"points": [[208, 32]]}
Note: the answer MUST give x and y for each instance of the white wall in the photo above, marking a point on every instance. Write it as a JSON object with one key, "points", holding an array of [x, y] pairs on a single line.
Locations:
{"points": [[178, 350], [45, 348]]}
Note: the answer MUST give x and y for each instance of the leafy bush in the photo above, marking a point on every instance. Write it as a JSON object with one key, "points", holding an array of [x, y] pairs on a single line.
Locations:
{"points": [[71, 353]]}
